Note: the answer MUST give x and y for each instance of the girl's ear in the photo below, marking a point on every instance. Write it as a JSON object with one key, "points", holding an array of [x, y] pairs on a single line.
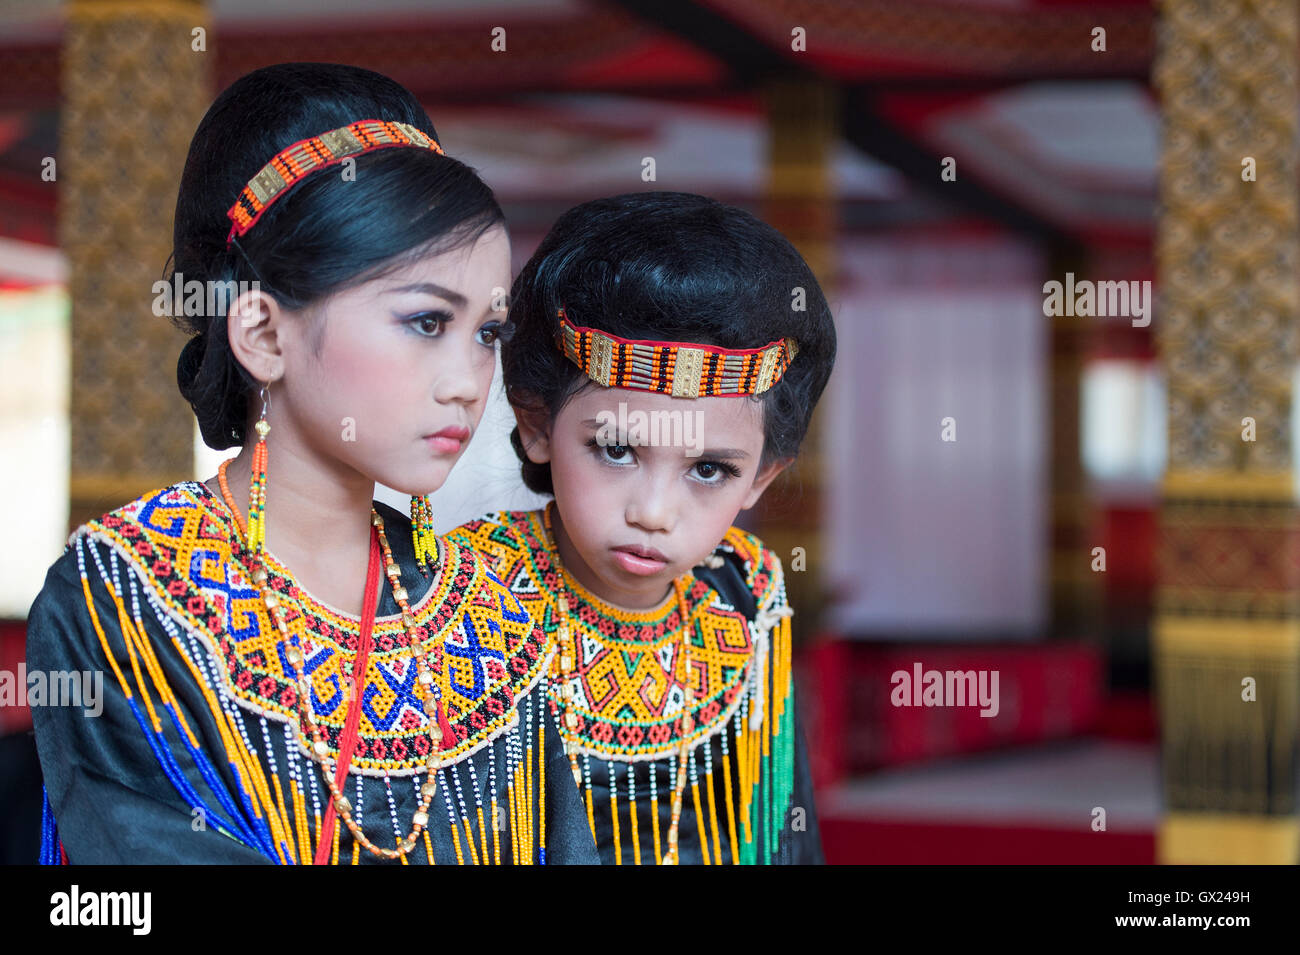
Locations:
{"points": [[255, 323], [534, 433], [765, 476]]}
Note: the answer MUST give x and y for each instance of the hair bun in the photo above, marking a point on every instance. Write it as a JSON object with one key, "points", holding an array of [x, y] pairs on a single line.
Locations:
{"points": [[189, 363]]}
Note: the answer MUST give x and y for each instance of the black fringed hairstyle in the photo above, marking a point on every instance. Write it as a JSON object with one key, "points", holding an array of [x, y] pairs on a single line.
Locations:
{"points": [[667, 266], [323, 236]]}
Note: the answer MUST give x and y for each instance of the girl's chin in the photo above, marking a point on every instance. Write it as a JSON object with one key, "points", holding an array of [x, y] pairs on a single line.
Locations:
{"points": [[635, 592], [417, 485]]}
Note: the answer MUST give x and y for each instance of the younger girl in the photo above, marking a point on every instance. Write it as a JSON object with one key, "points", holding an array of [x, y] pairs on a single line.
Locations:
{"points": [[302, 675], [667, 356]]}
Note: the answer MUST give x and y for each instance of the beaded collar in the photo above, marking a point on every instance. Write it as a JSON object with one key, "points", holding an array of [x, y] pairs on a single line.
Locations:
{"points": [[625, 688], [181, 542]]}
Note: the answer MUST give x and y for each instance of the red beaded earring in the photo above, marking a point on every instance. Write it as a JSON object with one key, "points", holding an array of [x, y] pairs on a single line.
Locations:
{"points": [[256, 537]]}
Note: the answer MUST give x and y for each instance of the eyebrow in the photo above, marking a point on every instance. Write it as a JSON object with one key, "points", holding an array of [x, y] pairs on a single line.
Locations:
{"points": [[596, 425], [724, 453], [430, 288]]}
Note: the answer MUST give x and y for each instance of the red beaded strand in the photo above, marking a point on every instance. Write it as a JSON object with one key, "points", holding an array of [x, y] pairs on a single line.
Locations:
{"points": [[427, 669]]}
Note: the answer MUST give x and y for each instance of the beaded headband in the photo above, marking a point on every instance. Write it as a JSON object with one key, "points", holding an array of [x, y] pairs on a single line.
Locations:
{"points": [[675, 368], [291, 164]]}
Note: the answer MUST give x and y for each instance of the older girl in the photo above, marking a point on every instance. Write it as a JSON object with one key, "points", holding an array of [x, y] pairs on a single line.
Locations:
{"points": [[297, 674]]}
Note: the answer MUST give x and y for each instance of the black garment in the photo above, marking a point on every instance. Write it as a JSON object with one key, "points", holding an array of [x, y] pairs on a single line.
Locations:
{"points": [[618, 687], [116, 801], [799, 839]]}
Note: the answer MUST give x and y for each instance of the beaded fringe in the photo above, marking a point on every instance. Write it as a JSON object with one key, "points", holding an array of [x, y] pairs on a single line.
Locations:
{"points": [[754, 786], [259, 815]]}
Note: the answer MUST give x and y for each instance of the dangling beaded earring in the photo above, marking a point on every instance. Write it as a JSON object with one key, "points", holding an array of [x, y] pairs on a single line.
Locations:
{"points": [[256, 536], [422, 536]]}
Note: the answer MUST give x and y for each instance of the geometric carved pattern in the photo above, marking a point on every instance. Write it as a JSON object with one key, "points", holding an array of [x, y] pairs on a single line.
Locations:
{"points": [[1232, 558], [1226, 248], [133, 93], [1227, 620]]}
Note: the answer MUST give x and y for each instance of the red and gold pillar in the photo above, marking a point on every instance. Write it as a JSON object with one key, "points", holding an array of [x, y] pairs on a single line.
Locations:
{"points": [[803, 128], [1227, 627], [134, 89]]}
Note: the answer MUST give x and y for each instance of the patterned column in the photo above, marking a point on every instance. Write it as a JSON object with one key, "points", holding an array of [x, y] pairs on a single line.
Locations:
{"points": [[803, 128], [134, 89], [1227, 633], [1075, 593]]}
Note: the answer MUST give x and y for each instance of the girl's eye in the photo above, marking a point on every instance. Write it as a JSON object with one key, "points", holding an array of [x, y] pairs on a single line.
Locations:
{"points": [[619, 454], [490, 334], [429, 324], [715, 472]]}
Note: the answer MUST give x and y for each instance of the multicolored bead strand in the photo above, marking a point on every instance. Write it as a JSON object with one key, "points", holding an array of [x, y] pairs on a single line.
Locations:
{"points": [[478, 807], [255, 537], [496, 810], [654, 812], [541, 763], [679, 785], [423, 538], [700, 828], [631, 805], [294, 654], [687, 725], [613, 813]]}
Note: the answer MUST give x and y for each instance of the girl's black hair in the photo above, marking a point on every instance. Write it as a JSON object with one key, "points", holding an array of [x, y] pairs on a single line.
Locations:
{"points": [[667, 266], [327, 234]]}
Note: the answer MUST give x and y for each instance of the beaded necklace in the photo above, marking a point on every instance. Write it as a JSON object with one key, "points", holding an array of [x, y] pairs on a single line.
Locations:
{"points": [[426, 670], [567, 659]]}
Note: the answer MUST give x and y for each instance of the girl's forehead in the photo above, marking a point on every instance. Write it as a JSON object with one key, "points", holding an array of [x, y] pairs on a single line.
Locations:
{"points": [[737, 414]]}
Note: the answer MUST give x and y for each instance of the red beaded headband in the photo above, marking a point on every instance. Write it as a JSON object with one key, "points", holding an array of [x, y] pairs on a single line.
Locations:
{"points": [[676, 368], [291, 164]]}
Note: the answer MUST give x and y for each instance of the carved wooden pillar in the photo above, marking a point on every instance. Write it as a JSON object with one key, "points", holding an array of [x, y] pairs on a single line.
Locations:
{"points": [[134, 89], [1227, 632], [803, 123], [1075, 592]]}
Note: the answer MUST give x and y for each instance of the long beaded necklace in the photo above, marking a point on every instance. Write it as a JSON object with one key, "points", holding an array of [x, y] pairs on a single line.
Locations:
{"points": [[567, 663], [426, 670]]}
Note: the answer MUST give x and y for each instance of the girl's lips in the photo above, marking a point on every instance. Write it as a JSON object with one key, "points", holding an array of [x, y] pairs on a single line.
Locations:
{"points": [[448, 440], [443, 445], [642, 561]]}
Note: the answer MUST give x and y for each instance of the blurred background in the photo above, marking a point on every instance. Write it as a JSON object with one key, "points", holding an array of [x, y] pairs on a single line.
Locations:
{"points": [[1075, 501]]}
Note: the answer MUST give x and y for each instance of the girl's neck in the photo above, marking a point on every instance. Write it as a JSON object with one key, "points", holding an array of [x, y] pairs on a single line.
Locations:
{"points": [[317, 519]]}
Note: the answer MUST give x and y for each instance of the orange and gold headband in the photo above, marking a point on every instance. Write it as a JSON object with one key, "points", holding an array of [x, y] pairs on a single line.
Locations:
{"points": [[291, 164], [674, 368]]}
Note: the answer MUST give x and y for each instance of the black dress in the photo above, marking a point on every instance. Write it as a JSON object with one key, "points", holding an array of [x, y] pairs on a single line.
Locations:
{"points": [[194, 749], [648, 702]]}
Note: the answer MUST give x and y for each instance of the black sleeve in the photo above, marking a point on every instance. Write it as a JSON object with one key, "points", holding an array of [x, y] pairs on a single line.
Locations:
{"points": [[800, 840], [112, 800]]}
